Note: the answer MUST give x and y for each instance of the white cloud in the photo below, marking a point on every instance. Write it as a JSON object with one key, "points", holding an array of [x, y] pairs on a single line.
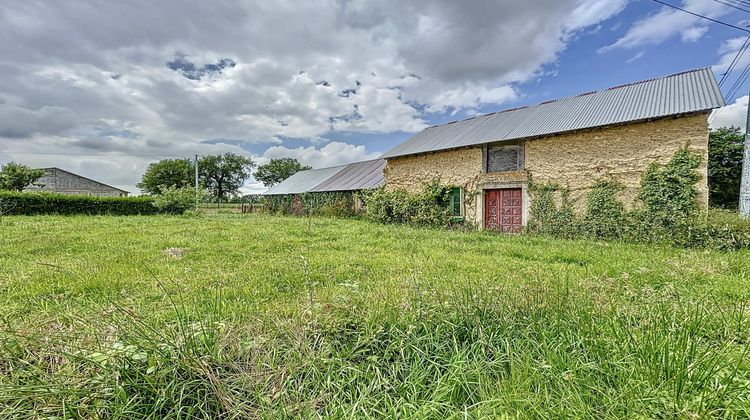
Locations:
{"points": [[470, 96], [89, 78], [669, 22], [728, 50], [732, 115], [332, 154], [637, 56], [693, 34]]}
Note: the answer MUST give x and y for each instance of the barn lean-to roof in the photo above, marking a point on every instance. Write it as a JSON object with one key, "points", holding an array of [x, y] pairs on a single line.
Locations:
{"points": [[351, 177], [677, 94]]}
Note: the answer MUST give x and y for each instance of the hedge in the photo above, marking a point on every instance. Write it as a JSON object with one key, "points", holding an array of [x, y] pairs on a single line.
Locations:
{"points": [[28, 203]]}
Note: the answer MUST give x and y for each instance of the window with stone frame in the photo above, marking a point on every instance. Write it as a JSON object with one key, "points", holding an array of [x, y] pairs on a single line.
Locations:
{"points": [[504, 158]]}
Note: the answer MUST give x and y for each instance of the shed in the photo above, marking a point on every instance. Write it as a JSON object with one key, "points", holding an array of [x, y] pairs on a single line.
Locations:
{"points": [[65, 182]]}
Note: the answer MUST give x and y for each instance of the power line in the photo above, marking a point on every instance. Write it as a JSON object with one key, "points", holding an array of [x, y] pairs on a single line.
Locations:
{"points": [[733, 6], [735, 60], [18, 152], [741, 79], [703, 17], [743, 76], [739, 82]]}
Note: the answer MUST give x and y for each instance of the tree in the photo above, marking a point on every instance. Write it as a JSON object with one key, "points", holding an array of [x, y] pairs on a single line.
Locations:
{"points": [[725, 147], [16, 177], [223, 175], [176, 173], [278, 170]]}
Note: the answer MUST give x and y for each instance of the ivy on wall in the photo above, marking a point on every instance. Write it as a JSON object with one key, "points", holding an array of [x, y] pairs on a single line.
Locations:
{"points": [[426, 208], [336, 203], [667, 210]]}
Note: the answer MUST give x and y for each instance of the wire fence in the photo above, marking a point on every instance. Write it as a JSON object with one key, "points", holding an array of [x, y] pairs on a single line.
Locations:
{"points": [[232, 207]]}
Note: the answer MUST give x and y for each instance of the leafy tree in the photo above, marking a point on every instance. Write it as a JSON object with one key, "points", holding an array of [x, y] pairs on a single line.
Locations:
{"points": [[176, 173], [16, 177], [278, 170], [725, 147], [223, 175]]}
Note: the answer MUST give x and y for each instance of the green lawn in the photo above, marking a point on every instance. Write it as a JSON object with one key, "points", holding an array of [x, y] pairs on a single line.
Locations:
{"points": [[260, 316]]}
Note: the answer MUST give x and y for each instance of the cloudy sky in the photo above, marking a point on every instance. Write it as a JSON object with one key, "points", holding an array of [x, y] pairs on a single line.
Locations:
{"points": [[103, 88]]}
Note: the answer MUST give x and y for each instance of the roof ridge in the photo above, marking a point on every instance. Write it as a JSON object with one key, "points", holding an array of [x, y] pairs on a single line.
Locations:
{"points": [[576, 95], [85, 177], [342, 165], [682, 93]]}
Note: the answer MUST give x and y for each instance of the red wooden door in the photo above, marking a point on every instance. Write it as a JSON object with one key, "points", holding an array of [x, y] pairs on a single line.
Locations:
{"points": [[503, 210]]}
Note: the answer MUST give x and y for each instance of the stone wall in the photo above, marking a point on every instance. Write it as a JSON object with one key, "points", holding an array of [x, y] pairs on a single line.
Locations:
{"points": [[574, 160], [460, 167], [63, 182], [622, 153]]}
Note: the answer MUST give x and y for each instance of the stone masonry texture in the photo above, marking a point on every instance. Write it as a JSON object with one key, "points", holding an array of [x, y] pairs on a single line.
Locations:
{"points": [[573, 160]]}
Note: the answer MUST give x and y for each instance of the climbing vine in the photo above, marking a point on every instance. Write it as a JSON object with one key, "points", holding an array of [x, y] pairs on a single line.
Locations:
{"points": [[335, 204], [425, 208], [666, 210]]}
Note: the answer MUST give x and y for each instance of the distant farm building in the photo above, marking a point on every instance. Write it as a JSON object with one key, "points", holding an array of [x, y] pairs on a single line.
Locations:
{"points": [[61, 181]]}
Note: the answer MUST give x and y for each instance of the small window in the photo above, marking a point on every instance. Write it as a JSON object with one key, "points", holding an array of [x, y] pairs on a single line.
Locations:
{"points": [[504, 158], [452, 201]]}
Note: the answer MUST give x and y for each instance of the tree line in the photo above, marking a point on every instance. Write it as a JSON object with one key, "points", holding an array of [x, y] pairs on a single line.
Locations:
{"points": [[221, 175]]}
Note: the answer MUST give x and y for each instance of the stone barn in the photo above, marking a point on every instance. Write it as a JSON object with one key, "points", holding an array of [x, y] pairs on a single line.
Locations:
{"points": [[613, 134], [61, 181]]}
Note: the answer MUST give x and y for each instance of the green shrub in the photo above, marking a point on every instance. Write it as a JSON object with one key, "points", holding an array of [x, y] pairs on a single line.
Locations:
{"points": [[668, 193], [175, 200], [667, 211], [27, 203], [334, 204], [546, 217], [606, 216], [400, 206], [725, 148], [278, 204], [716, 229]]}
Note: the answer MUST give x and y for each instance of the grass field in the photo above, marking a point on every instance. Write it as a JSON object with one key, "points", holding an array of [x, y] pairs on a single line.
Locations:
{"points": [[260, 316]]}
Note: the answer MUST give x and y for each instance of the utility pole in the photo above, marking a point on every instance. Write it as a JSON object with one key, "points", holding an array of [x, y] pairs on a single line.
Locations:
{"points": [[197, 192], [745, 178]]}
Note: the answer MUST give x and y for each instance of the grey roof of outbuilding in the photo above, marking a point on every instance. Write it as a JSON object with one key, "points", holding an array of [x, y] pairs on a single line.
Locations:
{"points": [[682, 93], [81, 176], [351, 177], [303, 181], [355, 176]]}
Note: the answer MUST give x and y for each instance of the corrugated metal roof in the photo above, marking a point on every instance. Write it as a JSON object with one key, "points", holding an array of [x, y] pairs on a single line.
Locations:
{"points": [[303, 181], [681, 93], [355, 176], [351, 177]]}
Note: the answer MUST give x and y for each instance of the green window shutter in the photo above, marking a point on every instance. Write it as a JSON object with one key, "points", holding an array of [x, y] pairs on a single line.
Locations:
{"points": [[456, 200]]}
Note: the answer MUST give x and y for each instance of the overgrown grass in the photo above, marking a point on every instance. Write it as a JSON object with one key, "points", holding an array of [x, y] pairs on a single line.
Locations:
{"points": [[261, 316]]}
